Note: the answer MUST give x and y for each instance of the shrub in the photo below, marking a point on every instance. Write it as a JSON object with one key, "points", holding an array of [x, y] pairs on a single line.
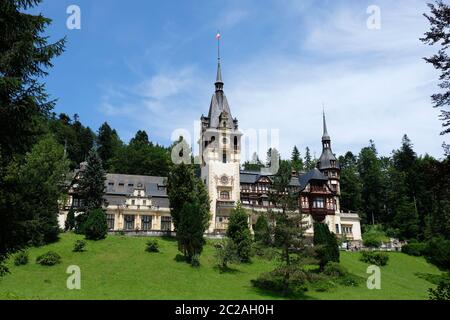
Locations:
{"points": [[239, 233], [79, 246], [69, 224], [274, 281], [334, 269], [49, 259], [195, 261], [152, 246], [226, 252], [438, 252], [96, 227], [415, 248], [326, 244], [80, 221], [374, 236], [3, 269], [262, 231], [21, 258], [373, 257], [442, 292]]}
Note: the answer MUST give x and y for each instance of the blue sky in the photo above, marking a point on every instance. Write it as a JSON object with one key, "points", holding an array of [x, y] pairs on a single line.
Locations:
{"points": [[151, 65]]}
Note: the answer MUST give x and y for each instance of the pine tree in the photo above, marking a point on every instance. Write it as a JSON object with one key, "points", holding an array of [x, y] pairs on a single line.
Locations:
{"points": [[108, 143], [439, 34], [92, 182], [190, 207], [297, 162], [351, 186], [326, 244], [239, 232], [25, 57], [309, 163]]}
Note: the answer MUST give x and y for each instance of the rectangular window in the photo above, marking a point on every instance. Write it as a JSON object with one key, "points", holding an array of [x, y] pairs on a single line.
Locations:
{"points": [[166, 223], [224, 157], [318, 203], [133, 202], [129, 222], [337, 228], [146, 223], [110, 221]]}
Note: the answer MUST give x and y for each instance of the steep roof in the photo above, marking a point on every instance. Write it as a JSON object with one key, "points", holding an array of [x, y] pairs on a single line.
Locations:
{"points": [[325, 160], [312, 175]]}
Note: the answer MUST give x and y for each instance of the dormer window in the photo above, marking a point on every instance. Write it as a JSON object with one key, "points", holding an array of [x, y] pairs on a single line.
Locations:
{"points": [[333, 163]]}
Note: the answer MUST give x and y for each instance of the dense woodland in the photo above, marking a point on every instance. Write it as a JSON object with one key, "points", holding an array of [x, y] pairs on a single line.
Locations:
{"points": [[406, 194]]}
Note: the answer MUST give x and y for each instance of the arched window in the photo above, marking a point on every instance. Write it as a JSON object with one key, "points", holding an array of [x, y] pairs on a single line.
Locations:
{"points": [[235, 143], [224, 157]]}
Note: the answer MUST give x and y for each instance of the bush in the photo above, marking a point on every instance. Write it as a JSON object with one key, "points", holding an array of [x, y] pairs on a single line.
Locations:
{"points": [[326, 244], [49, 259], [21, 258], [195, 261], [438, 252], [262, 231], [374, 236], [274, 281], [96, 227], [415, 248], [334, 269], [373, 257], [371, 241], [152, 246], [3, 269], [69, 224], [442, 292], [79, 246], [226, 252]]}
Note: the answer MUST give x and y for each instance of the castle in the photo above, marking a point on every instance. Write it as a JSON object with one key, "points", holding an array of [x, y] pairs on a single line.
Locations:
{"points": [[140, 205]]}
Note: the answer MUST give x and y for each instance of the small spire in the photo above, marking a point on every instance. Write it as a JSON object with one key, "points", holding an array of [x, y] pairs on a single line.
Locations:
{"points": [[326, 136], [219, 82]]}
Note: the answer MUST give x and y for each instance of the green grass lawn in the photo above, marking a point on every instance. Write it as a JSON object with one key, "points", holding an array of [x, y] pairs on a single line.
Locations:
{"points": [[119, 268]]}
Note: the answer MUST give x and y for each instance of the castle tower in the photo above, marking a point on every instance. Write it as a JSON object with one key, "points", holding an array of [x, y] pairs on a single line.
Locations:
{"points": [[329, 165], [220, 154]]}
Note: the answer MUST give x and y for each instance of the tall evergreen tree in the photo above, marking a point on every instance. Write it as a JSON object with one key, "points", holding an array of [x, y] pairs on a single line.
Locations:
{"points": [[351, 186], [369, 169], [309, 163], [25, 57], [239, 233], [92, 182], [296, 160], [439, 34], [108, 143], [189, 201]]}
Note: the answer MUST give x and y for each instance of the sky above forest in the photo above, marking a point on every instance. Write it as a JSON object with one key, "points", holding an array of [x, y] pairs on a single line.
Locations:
{"points": [[151, 65]]}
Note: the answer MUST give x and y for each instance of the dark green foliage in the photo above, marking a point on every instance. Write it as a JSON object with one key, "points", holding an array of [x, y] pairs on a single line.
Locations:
{"points": [[194, 221], [442, 292], [350, 181], [326, 244], [141, 157], [415, 248], [108, 144], [92, 182], [374, 257], [152, 245], [438, 252], [309, 162], [77, 139], [239, 232], [334, 269], [195, 261], [48, 259], [226, 252], [189, 203], [254, 165], [79, 246], [276, 281], [439, 34], [296, 160], [262, 231], [371, 241], [21, 258], [96, 227], [79, 223], [69, 224], [3, 269]]}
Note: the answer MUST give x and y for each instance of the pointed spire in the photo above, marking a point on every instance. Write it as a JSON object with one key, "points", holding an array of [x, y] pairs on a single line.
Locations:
{"points": [[326, 136], [219, 82]]}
